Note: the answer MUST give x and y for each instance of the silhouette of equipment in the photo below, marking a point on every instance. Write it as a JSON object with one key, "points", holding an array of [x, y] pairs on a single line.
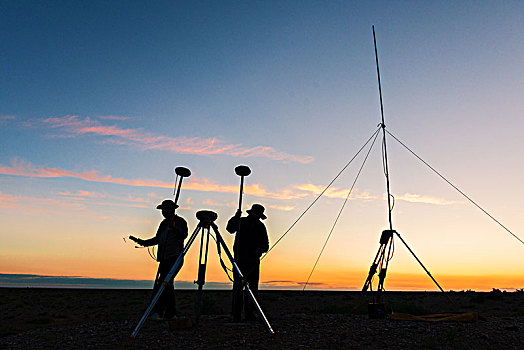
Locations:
{"points": [[377, 308], [206, 224], [180, 172], [242, 171]]}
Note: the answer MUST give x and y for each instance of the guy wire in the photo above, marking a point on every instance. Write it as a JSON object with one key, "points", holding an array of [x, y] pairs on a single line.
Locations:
{"points": [[340, 212], [456, 188], [321, 194]]}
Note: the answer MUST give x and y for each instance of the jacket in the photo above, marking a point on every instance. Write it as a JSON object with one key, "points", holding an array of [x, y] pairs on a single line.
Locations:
{"points": [[251, 238], [170, 241]]}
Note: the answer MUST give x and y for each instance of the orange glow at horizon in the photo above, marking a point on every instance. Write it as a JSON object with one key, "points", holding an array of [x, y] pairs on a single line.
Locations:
{"points": [[274, 277]]}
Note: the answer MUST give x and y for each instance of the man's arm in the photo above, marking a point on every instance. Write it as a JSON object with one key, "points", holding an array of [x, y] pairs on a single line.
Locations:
{"points": [[145, 242]]}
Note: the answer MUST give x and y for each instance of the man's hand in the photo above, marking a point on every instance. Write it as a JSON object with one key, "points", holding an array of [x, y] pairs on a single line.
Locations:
{"points": [[136, 240], [238, 213]]}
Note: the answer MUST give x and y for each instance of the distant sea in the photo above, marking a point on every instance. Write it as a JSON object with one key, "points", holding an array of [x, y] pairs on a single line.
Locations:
{"points": [[43, 281]]}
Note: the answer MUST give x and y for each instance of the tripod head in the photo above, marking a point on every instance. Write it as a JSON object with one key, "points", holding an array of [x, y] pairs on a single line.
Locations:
{"points": [[206, 216]]}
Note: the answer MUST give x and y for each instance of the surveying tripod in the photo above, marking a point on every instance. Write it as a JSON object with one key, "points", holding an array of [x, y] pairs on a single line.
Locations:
{"points": [[206, 223]]}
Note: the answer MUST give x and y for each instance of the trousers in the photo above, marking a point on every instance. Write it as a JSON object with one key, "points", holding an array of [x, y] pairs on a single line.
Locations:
{"points": [[166, 304], [241, 300]]}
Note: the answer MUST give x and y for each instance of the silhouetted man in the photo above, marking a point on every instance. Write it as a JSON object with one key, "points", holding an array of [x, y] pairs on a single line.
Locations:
{"points": [[250, 242], [170, 239]]}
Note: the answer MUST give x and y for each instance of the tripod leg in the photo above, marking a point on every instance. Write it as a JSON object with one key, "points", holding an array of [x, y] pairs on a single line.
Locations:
{"points": [[202, 264], [237, 270], [429, 274], [163, 285], [384, 268], [373, 269]]}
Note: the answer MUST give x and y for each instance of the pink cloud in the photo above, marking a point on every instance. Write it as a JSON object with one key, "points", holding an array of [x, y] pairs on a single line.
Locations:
{"points": [[108, 200], [37, 204], [334, 192], [113, 117], [74, 125], [216, 204], [21, 168], [282, 207], [82, 194], [6, 118]]}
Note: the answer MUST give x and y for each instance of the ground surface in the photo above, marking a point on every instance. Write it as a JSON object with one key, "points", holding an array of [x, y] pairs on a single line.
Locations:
{"points": [[68, 318]]}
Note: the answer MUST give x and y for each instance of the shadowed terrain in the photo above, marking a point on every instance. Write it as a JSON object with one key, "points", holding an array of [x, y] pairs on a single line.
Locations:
{"points": [[76, 318]]}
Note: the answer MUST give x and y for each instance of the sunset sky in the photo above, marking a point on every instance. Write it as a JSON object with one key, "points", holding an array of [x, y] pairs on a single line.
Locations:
{"points": [[101, 100]]}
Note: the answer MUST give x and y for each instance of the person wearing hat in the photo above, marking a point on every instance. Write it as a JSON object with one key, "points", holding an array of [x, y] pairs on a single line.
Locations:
{"points": [[169, 237], [251, 241]]}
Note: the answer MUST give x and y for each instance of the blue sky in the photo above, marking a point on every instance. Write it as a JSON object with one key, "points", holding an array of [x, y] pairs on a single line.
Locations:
{"points": [[97, 96]]}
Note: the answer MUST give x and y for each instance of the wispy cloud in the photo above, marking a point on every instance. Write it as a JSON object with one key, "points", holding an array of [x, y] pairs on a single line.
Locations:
{"points": [[75, 125], [6, 118], [43, 281], [282, 207], [216, 204], [292, 284], [113, 117], [334, 192], [234, 205], [107, 199], [419, 198], [38, 204], [22, 168], [47, 281], [82, 195]]}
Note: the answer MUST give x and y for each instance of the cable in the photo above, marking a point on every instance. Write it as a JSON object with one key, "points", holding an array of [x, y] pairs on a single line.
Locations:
{"points": [[386, 173], [151, 253], [320, 195], [340, 212], [455, 187], [222, 263], [390, 254]]}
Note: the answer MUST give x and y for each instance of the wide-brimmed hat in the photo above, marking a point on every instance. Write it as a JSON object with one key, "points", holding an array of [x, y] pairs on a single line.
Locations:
{"points": [[167, 204], [257, 210]]}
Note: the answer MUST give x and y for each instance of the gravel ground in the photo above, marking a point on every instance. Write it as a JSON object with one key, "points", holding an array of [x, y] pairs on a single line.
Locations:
{"points": [[298, 331], [317, 320]]}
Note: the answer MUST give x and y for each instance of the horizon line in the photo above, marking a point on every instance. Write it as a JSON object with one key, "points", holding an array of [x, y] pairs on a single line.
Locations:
{"points": [[78, 282]]}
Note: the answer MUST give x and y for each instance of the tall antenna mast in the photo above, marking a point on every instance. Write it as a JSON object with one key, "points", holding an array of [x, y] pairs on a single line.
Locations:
{"points": [[383, 125], [385, 251]]}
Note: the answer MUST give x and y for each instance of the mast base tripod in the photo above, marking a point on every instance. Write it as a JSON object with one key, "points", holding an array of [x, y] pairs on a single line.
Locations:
{"points": [[377, 308], [206, 222]]}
